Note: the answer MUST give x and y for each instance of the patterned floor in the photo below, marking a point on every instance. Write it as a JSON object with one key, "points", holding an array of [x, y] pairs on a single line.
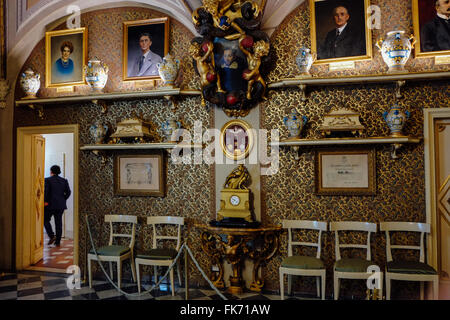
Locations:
{"points": [[32, 285], [57, 257]]}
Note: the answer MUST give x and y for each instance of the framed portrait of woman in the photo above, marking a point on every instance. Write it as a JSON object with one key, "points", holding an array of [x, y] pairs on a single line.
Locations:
{"points": [[431, 19], [66, 56], [339, 30], [145, 43]]}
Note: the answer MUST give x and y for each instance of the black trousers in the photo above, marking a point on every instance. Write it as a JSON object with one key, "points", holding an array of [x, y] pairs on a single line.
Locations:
{"points": [[58, 214]]}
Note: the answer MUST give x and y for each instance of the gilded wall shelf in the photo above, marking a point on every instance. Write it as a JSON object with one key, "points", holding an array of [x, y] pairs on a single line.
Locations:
{"points": [[398, 79], [396, 142], [101, 99], [138, 146], [101, 149]]}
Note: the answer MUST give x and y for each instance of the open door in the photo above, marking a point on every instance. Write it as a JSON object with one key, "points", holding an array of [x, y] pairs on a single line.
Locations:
{"points": [[37, 197]]}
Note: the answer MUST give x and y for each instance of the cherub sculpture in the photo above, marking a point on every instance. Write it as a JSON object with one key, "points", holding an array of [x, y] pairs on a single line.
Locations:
{"points": [[238, 178], [224, 17], [205, 66], [260, 48]]}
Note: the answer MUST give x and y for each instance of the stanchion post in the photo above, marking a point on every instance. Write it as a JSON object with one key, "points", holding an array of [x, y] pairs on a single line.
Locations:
{"points": [[186, 280]]}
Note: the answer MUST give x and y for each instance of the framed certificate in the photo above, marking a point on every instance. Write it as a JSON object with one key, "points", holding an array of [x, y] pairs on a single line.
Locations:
{"points": [[345, 172]]}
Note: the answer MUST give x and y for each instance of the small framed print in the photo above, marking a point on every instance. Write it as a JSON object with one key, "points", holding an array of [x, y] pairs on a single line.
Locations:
{"points": [[339, 31], [145, 44], [139, 175], [344, 172], [236, 139], [431, 27], [65, 57]]}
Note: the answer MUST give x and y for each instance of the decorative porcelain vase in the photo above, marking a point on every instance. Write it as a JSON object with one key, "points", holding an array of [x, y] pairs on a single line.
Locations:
{"points": [[396, 120], [96, 74], [304, 60], [99, 131], [295, 123], [168, 70], [4, 90], [168, 127], [396, 49], [30, 83]]}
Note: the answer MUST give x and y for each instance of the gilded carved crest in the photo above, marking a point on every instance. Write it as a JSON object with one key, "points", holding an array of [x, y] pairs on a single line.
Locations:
{"points": [[232, 54]]}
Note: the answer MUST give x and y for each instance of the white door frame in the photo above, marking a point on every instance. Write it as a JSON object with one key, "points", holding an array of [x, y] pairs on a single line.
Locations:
{"points": [[430, 115], [22, 133]]}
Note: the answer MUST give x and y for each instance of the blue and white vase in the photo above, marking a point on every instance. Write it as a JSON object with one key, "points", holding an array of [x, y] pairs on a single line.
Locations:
{"points": [[305, 60], [96, 74], [30, 83], [396, 50], [396, 120], [99, 131], [169, 127], [168, 70], [295, 123]]}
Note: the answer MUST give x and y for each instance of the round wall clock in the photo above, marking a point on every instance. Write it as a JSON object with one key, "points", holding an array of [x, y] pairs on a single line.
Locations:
{"points": [[236, 139]]}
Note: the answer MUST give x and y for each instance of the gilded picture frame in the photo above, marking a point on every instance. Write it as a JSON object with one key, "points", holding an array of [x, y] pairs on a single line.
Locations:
{"points": [[345, 172], [424, 14], [139, 175], [236, 139], [65, 57], [355, 42], [135, 35]]}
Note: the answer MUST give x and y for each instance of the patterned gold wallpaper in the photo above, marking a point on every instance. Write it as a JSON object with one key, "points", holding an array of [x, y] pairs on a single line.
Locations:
{"points": [[290, 193], [188, 193], [400, 183]]}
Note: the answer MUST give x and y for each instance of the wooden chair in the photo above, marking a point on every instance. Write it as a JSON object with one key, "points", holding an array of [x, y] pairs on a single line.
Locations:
{"points": [[352, 268], [408, 270], [159, 256], [116, 253], [303, 265]]}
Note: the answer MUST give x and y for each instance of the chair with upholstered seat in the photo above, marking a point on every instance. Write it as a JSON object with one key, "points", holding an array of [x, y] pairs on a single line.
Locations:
{"points": [[408, 270], [161, 256], [353, 268], [116, 253], [300, 265]]}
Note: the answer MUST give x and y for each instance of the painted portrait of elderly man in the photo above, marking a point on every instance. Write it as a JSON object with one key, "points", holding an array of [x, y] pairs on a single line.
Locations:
{"points": [[432, 26], [339, 30]]}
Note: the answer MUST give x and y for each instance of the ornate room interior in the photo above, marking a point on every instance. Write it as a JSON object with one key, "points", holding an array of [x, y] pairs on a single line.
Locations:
{"points": [[293, 132]]}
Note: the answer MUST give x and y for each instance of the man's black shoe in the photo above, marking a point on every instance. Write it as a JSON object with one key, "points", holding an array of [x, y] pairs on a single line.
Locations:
{"points": [[53, 239]]}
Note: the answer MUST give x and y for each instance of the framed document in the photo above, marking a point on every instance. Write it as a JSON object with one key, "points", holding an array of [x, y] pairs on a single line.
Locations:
{"points": [[139, 175], [345, 172]]}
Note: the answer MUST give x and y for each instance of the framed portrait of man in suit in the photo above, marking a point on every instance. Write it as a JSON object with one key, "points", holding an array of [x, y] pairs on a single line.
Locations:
{"points": [[431, 27], [145, 43], [66, 56], [339, 31]]}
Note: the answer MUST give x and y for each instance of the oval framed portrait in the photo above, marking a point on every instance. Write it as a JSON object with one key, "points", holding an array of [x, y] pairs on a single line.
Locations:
{"points": [[236, 139]]}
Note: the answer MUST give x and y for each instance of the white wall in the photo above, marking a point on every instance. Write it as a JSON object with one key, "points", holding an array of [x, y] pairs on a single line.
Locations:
{"points": [[59, 151]]}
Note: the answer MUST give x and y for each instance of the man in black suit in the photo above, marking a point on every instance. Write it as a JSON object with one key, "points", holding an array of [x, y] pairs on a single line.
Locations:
{"points": [[343, 41], [56, 193], [435, 35]]}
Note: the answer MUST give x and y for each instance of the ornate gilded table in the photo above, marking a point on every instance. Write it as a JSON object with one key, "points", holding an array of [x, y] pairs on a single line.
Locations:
{"points": [[236, 244]]}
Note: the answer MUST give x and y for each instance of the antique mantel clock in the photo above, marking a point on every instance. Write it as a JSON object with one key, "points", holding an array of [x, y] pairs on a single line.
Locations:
{"points": [[232, 54], [235, 197]]}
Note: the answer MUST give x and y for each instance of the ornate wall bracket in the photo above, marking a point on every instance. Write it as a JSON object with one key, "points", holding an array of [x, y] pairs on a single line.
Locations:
{"points": [[39, 110], [232, 55], [102, 104]]}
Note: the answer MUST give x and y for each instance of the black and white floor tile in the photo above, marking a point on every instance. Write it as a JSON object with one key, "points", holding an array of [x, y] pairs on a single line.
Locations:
{"points": [[32, 285]]}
